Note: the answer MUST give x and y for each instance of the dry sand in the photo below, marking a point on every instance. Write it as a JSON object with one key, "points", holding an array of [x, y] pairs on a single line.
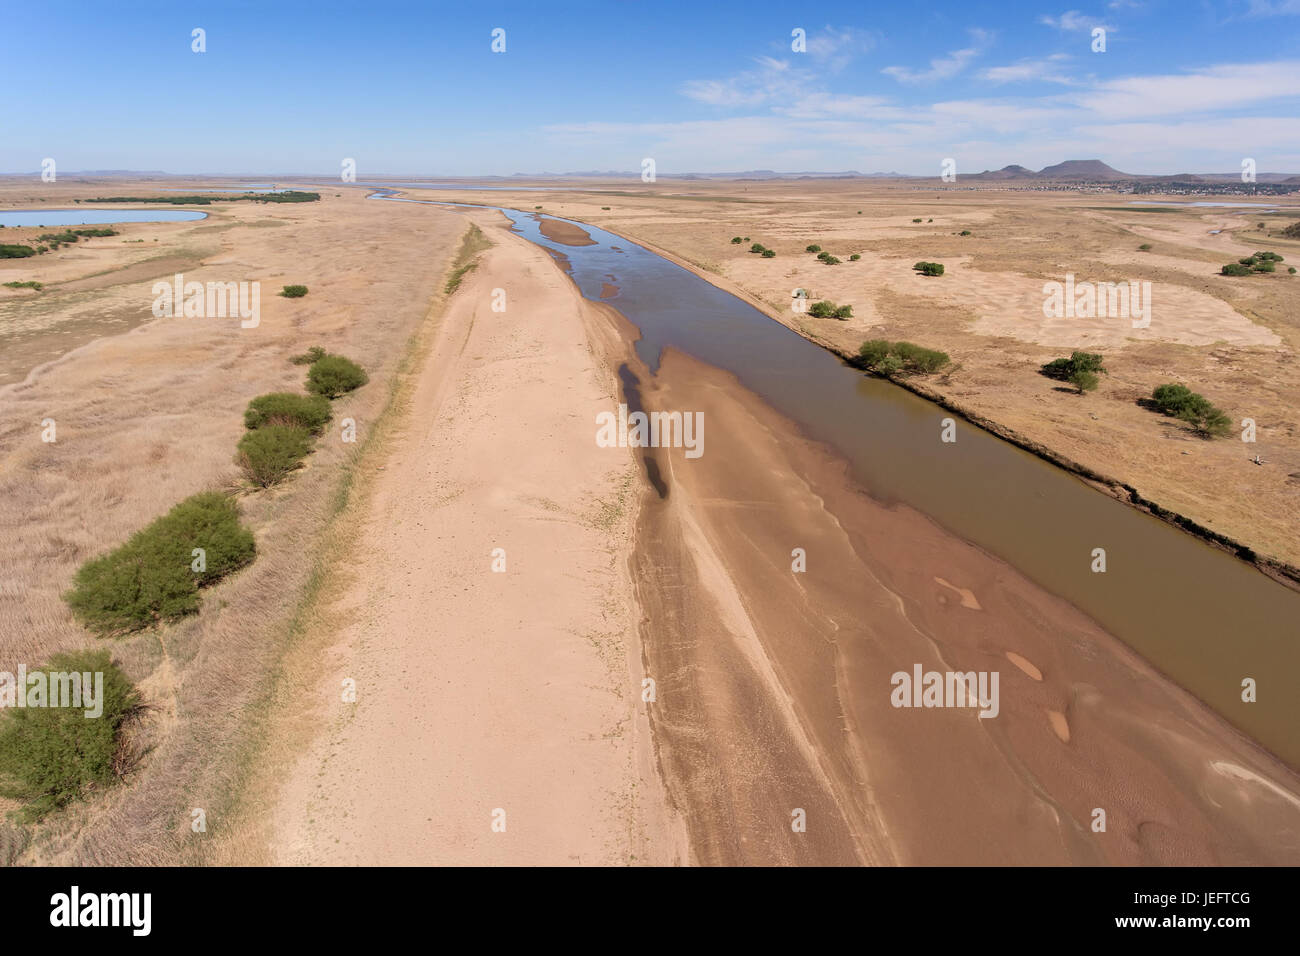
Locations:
{"points": [[480, 692]]}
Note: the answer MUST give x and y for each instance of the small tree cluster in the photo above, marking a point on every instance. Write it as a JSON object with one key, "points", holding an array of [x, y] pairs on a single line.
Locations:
{"points": [[888, 358], [1080, 370], [826, 309], [1182, 403]]}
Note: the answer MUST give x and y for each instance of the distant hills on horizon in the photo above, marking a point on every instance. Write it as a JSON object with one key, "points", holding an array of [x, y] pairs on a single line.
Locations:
{"points": [[1072, 170]]}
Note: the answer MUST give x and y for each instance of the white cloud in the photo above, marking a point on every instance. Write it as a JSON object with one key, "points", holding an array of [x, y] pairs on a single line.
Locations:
{"points": [[1214, 88], [834, 49], [1072, 21], [944, 67], [773, 80], [1047, 70]]}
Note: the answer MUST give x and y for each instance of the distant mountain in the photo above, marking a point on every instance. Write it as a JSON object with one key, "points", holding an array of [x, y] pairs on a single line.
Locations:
{"points": [[1092, 170], [1006, 172]]}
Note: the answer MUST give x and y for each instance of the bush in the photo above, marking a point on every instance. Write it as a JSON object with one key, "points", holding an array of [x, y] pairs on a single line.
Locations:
{"points": [[918, 359], [964, 232], [333, 375], [929, 268], [844, 312], [268, 454], [294, 291], [768, 254], [1145, 247], [831, 261], [886, 358], [1083, 381], [311, 412], [1266, 266], [1235, 269], [756, 247], [313, 354], [151, 578], [823, 256], [24, 285], [736, 240], [822, 310], [12, 251], [854, 258], [916, 220], [813, 248], [50, 756], [872, 352], [1064, 369], [1292, 231], [1182, 403]]}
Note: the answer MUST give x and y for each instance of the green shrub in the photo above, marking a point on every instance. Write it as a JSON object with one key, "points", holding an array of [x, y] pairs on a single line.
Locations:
{"points": [[916, 220], [313, 354], [268, 454], [1145, 247], [823, 256], [813, 248], [886, 358], [50, 756], [919, 359], [769, 254], [756, 247], [929, 268], [151, 578], [1248, 261], [25, 285], [333, 375], [1083, 380], [735, 240], [822, 310], [1182, 403], [844, 312], [1063, 369], [964, 232], [831, 261], [854, 258], [294, 291], [311, 412], [1265, 266], [13, 251], [873, 351], [1235, 269]]}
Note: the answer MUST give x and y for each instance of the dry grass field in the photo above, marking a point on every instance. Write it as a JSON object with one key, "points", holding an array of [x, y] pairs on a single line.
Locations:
{"points": [[1234, 340], [147, 418]]}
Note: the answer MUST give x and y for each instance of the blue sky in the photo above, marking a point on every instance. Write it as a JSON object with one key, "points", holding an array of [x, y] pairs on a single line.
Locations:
{"points": [[414, 88]]}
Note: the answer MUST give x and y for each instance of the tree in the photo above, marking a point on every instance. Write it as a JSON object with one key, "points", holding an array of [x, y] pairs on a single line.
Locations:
{"points": [[1083, 381], [1064, 369]]}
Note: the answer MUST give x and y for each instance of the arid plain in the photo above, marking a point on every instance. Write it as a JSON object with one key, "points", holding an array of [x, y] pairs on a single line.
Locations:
{"points": [[243, 718]]}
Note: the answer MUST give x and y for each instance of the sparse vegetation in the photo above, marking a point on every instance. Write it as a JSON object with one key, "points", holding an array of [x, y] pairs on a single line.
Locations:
{"points": [[825, 309], [918, 219], [334, 375], [964, 232], [1079, 365], [888, 358], [151, 578], [813, 248], [294, 291], [1259, 262], [311, 412], [313, 354], [50, 756], [1182, 403], [15, 251], [289, 195], [25, 285], [1145, 247], [267, 455]]}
